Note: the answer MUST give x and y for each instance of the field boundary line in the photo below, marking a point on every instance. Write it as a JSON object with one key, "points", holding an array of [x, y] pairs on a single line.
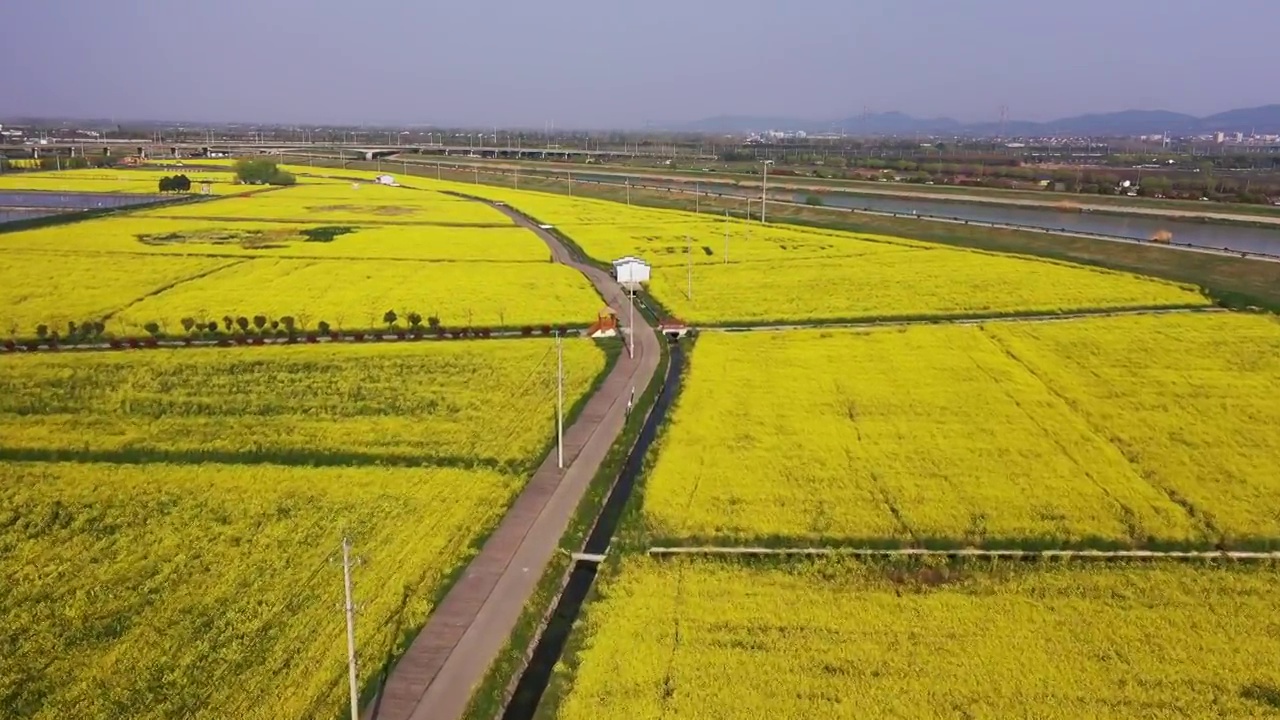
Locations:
{"points": [[970, 553], [169, 286], [965, 319], [1204, 522]]}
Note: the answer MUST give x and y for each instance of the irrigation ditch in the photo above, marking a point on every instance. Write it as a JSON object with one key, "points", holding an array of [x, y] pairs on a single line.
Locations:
{"points": [[963, 553], [549, 645]]}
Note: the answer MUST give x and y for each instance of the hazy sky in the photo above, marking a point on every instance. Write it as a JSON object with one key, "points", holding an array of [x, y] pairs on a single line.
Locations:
{"points": [[594, 63]]}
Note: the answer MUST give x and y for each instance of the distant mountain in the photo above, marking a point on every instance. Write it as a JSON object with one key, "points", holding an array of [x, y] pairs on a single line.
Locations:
{"points": [[1265, 119], [1126, 122]]}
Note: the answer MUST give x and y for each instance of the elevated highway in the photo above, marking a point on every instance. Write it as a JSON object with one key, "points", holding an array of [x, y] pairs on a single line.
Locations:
{"points": [[152, 148]]}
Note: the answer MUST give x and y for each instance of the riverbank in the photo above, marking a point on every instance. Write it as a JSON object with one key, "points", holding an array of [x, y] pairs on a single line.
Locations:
{"points": [[1248, 215]]}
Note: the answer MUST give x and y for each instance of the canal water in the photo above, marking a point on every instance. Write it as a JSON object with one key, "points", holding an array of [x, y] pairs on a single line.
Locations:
{"points": [[16, 205], [1238, 238]]}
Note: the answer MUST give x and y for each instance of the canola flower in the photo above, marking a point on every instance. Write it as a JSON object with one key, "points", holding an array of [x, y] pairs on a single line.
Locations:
{"points": [[347, 268], [334, 203], [1108, 432], [210, 591], [356, 294], [1190, 401], [108, 180], [170, 554], [56, 288], [779, 273], [923, 284], [695, 638], [158, 233], [489, 404]]}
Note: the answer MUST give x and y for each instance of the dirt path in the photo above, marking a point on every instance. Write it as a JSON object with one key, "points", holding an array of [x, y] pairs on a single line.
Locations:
{"points": [[449, 658]]}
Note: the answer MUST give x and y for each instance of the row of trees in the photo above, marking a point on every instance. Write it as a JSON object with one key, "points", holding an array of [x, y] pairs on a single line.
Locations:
{"points": [[57, 163], [260, 326]]}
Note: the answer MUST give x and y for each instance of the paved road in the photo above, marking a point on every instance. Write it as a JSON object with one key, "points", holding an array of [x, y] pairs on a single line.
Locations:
{"points": [[436, 677]]}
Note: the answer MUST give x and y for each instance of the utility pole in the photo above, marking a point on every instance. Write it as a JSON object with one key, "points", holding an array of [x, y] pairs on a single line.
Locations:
{"points": [[696, 197], [351, 629], [437, 171], [726, 236], [570, 183], [628, 191], [477, 168], [559, 401], [517, 177]]}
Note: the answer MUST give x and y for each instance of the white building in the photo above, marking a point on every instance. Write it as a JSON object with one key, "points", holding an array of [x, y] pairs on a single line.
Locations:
{"points": [[630, 270], [385, 180]]}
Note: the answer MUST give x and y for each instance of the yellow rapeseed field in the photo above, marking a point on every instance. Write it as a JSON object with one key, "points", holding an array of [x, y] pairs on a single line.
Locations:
{"points": [[787, 274], [472, 265], [210, 591], [578, 211], [54, 288], [169, 520], [916, 284], [607, 230], [152, 234], [1191, 401], [354, 294], [335, 203], [105, 180], [1113, 432], [689, 639], [487, 403]]}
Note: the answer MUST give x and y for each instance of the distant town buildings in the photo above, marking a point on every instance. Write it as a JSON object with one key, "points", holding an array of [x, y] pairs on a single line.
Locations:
{"points": [[770, 136]]}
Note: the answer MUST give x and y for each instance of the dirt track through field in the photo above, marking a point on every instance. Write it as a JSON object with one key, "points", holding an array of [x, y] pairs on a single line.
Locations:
{"points": [[435, 678]]}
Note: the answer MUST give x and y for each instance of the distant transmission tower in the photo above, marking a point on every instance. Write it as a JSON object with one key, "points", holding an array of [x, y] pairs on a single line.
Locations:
{"points": [[1004, 119]]}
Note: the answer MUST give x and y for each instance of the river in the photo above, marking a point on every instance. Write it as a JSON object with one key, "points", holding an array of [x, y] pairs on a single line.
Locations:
{"points": [[1239, 238]]}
